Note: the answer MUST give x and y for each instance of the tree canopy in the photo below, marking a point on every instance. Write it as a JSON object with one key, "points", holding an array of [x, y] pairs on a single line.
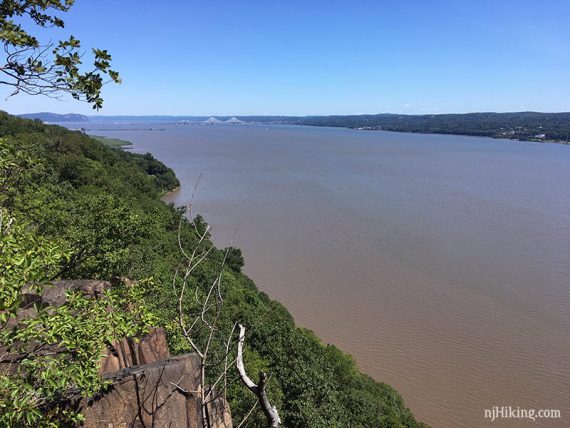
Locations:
{"points": [[34, 67]]}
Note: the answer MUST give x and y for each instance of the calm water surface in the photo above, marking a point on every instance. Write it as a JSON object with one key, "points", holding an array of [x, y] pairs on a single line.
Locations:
{"points": [[442, 263]]}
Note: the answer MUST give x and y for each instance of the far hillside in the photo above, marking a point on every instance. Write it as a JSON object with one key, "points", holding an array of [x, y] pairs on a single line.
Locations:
{"points": [[528, 126], [56, 118]]}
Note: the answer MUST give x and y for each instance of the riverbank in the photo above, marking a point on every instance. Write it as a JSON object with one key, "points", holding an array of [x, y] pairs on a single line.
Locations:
{"points": [[496, 137], [525, 126], [112, 142]]}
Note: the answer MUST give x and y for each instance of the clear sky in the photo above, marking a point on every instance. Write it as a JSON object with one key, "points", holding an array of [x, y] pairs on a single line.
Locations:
{"points": [[301, 57]]}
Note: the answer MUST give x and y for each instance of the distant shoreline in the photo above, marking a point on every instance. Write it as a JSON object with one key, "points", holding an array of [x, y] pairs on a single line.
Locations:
{"points": [[169, 192], [523, 140], [112, 142], [123, 143], [551, 128], [523, 126], [504, 138]]}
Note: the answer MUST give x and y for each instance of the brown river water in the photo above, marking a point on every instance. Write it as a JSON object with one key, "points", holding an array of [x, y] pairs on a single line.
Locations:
{"points": [[441, 263]]}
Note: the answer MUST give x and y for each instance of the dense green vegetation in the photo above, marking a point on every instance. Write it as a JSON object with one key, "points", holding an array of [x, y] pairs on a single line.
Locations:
{"points": [[100, 211], [520, 126]]}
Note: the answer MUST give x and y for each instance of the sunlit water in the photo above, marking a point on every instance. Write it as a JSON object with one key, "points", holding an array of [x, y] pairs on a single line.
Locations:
{"points": [[441, 263]]}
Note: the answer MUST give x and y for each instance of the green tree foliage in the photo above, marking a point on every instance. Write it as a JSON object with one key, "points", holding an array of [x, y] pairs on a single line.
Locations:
{"points": [[53, 354], [234, 259], [37, 68], [27, 260], [103, 207]]}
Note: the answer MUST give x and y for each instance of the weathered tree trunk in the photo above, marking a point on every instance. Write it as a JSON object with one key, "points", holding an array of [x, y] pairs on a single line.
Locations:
{"points": [[270, 411]]}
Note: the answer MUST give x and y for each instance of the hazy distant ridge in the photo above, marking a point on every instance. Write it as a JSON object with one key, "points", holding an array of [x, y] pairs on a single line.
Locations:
{"points": [[521, 125], [535, 126], [54, 117]]}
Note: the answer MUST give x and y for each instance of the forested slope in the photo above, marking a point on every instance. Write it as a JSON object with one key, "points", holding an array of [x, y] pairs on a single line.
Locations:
{"points": [[103, 207], [520, 126], [534, 126]]}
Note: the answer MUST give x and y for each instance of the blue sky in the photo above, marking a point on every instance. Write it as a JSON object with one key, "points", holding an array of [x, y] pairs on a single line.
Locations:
{"points": [[185, 57]]}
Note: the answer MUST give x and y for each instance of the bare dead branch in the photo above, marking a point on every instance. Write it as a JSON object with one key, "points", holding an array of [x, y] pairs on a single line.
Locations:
{"points": [[270, 411], [201, 321], [244, 420]]}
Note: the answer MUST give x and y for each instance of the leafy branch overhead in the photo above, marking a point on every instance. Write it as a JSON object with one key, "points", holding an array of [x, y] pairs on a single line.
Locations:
{"points": [[32, 67]]}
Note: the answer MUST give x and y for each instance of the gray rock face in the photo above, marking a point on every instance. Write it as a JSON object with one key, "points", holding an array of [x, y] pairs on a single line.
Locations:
{"points": [[129, 353], [161, 394], [149, 387], [54, 294], [219, 414]]}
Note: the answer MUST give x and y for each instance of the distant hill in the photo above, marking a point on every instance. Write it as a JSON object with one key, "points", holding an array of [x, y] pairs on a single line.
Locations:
{"points": [[534, 126], [54, 117]]}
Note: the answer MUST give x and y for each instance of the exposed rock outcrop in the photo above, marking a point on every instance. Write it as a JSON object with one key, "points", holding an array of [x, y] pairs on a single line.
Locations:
{"points": [[128, 352], [163, 393], [160, 394], [149, 387]]}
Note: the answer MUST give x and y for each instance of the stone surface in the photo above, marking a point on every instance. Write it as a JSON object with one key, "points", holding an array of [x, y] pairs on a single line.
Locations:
{"points": [[129, 353], [54, 295], [149, 388], [219, 413], [51, 295], [153, 347], [161, 394]]}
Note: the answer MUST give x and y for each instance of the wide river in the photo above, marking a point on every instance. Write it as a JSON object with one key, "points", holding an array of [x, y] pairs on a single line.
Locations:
{"points": [[441, 263]]}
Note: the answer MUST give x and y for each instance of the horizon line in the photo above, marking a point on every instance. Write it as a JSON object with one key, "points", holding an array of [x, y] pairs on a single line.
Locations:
{"points": [[296, 115]]}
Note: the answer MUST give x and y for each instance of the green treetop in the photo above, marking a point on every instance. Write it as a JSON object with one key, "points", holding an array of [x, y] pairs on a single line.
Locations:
{"points": [[36, 68]]}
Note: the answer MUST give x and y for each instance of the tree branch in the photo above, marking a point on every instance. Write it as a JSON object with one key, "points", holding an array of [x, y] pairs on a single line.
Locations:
{"points": [[270, 411]]}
